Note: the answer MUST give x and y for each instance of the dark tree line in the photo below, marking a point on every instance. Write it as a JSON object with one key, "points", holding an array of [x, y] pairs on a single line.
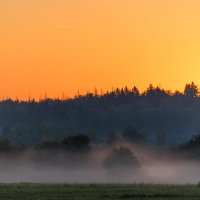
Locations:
{"points": [[76, 143], [122, 112]]}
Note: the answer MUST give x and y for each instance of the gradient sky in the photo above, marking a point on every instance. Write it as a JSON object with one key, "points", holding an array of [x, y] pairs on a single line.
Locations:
{"points": [[57, 46]]}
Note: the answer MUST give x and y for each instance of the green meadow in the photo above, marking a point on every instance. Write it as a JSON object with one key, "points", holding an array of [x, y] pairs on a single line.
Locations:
{"points": [[97, 191]]}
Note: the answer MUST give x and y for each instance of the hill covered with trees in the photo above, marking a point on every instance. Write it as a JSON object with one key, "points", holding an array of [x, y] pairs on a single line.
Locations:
{"points": [[155, 116]]}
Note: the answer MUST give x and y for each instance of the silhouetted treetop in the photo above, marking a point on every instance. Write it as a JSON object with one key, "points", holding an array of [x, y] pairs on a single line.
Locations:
{"points": [[191, 90]]}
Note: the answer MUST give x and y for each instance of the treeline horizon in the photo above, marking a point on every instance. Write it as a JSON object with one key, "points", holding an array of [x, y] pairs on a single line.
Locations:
{"points": [[100, 93], [155, 114]]}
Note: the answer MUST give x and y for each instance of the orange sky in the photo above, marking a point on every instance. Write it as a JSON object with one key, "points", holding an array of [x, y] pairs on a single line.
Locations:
{"points": [[57, 46]]}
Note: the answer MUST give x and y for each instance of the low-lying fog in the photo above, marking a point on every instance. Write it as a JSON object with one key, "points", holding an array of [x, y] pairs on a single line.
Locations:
{"points": [[61, 167]]}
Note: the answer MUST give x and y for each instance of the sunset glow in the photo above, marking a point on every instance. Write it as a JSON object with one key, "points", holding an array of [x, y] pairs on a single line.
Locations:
{"points": [[62, 46]]}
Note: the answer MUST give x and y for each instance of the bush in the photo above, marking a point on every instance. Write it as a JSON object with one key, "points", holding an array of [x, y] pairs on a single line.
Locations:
{"points": [[192, 145], [78, 143], [49, 145], [120, 158], [7, 146]]}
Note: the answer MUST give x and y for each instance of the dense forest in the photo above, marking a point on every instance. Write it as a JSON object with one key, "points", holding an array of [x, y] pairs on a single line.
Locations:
{"points": [[155, 116]]}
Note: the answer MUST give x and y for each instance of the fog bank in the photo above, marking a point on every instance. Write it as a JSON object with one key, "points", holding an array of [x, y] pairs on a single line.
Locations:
{"points": [[59, 167]]}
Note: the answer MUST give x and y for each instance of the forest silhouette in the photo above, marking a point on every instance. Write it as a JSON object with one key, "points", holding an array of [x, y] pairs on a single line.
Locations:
{"points": [[155, 116]]}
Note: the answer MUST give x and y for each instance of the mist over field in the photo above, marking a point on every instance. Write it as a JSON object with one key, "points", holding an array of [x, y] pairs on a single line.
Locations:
{"points": [[62, 167]]}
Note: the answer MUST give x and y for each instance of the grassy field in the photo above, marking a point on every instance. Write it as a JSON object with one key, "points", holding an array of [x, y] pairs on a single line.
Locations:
{"points": [[97, 192]]}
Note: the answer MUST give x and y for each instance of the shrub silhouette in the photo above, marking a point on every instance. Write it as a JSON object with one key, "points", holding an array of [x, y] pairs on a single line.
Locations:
{"points": [[121, 157], [7, 146], [192, 145], [49, 145], [76, 143]]}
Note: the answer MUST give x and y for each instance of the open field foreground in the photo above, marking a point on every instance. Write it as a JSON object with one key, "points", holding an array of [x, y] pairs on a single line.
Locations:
{"points": [[97, 192]]}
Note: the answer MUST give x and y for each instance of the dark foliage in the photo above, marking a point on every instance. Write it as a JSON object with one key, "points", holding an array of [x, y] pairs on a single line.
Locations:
{"points": [[31, 122], [7, 146], [121, 157], [191, 90], [49, 145], [132, 134], [78, 143], [192, 145]]}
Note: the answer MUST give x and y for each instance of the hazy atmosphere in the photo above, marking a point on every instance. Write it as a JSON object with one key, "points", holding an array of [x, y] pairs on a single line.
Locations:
{"points": [[154, 169], [99, 99]]}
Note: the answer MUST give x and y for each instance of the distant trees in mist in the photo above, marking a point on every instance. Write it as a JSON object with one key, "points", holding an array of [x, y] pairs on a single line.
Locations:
{"points": [[192, 145], [121, 157], [76, 143], [132, 134]]}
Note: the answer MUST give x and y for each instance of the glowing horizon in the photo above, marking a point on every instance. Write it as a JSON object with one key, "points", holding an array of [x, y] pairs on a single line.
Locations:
{"points": [[63, 46]]}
